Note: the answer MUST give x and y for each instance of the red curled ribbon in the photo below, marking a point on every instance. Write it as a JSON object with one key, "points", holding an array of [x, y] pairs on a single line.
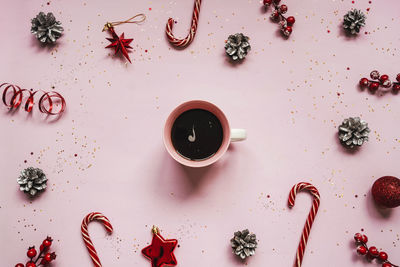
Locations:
{"points": [[46, 101]]}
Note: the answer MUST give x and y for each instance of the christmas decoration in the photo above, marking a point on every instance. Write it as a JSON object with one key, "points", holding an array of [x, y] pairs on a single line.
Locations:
{"points": [[371, 253], [244, 244], [286, 24], [353, 21], [396, 85], [386, 191], [94, 216], [380, 82], [48, 102], [193, 28], [32, 181], [353, 132], [161, 251], [310, 219], [237, 46], [46, 28], [119, 43], [44, 255]]}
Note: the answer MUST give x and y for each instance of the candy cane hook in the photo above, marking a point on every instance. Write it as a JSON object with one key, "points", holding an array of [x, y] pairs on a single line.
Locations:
{"points": [[193, 28], [85, 234], [310, 219]]}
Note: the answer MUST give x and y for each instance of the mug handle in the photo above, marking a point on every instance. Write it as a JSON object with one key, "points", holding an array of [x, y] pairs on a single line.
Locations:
{"points": [[238, 135]]}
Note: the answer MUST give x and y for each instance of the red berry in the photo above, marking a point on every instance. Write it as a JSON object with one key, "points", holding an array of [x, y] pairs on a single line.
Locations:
{"points": [[357, 237], [364, 82], [290, 20], [396, 87], [283, 9], [288, 29], [383, 78], [364, 239], [373, 251], [383, 256], [275, 15], [19, 265], [47, 243], [30, 264], [31, 253], [267, 2], [277, 1], [398, 77], [386, 265], [49, 257], [373, 86], [361, 250]]}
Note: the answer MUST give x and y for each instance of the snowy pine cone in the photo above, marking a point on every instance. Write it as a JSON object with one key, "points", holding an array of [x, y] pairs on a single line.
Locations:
{"points": [[244, 244], [237, 46], [353, 21], [46, 28], [32, 181], [353, 132]]}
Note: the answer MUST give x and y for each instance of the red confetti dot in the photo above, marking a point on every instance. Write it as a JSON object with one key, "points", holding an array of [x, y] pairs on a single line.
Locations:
{"points": [[150, 8], [352, 2], [145, 50], [356, 196], [362, 229], [48, 3], [328, 31], [31, 153], [338, 94], [25, 161], [370, 2], [366, 32], [368, 9], [268, 196], [348, 68], [76, 155]]}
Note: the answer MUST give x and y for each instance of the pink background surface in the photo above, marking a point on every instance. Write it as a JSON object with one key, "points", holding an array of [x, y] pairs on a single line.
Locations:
{"points": [[289, 94]]}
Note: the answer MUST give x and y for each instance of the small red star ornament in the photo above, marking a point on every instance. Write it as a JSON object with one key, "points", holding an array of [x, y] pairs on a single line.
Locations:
{"points": [[161, 251], [119, 43]]}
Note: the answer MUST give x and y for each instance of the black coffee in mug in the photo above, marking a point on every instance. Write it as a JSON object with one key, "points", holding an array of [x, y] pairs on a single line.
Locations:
{"points": [[197, 134]]}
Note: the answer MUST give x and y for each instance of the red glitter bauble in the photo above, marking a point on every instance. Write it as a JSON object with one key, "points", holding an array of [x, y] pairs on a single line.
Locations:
{"points": [[386, 191]]}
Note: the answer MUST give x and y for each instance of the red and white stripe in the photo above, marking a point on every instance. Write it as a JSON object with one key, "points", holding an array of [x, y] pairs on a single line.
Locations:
{"points": [[189, 38], [310, 219], [85, 234]]}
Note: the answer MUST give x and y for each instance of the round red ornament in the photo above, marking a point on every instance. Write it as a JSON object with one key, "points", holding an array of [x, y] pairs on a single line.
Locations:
{"points": [[386, 191]]}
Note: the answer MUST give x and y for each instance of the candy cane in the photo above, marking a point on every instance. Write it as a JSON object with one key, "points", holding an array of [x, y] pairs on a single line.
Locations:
{"points": [[311, 216], [85, 234], [189, 38]]}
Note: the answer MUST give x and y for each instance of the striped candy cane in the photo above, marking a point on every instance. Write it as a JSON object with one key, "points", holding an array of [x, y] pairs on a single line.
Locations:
{"points": [[189, 38], [85, 234], [311, 216]]}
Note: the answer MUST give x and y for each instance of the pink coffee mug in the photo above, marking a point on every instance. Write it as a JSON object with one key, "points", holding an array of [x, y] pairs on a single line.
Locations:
{"points": [[229, 135]]}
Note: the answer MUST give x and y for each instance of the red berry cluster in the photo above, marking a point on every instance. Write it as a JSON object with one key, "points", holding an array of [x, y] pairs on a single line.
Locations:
{"points": [[277, 15], [45, 256], [380, 80], [371, 252]]}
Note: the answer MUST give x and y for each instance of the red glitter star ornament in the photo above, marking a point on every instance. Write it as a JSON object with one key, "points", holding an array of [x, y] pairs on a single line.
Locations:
{"points": [[161, 251], [119, 43]]}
